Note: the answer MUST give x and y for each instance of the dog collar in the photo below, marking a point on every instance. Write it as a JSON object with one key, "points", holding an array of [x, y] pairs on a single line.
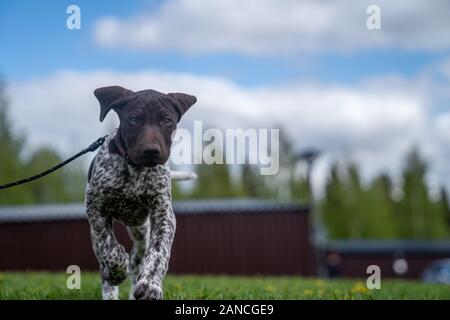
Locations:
{"points": [[122, 150]]}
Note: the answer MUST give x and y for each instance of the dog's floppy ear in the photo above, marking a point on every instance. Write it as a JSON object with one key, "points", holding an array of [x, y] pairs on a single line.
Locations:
{"points": [[109, 98], [183, 101]]}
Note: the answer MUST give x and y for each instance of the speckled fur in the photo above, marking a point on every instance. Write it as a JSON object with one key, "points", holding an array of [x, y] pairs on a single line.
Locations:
{"points": [[140, 198]]}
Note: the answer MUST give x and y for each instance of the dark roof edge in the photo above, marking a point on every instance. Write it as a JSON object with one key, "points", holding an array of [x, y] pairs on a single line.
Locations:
{"points": [[76, 211]]}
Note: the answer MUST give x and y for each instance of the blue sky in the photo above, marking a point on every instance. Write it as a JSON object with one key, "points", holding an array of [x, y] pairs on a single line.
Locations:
{"points": [[311, 66], [37, 43]]}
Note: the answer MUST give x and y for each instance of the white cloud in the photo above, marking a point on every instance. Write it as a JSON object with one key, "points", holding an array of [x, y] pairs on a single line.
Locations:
{"points": [[279, 27], [371, 123]]}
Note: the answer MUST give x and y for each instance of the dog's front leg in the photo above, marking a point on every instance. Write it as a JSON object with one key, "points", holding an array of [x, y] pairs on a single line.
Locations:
{"points": [[141, 240], [156, 261], [111, 255]]}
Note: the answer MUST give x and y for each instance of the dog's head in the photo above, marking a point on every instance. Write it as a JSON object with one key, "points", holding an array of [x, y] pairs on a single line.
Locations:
{"points": [[148, 119]]}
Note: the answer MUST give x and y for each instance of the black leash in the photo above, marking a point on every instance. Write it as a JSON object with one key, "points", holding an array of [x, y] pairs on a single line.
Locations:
{"points": [[94, 146]]}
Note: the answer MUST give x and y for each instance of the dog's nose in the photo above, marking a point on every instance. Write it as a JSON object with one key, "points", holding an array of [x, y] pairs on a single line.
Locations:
{"points": [[152, 151]]}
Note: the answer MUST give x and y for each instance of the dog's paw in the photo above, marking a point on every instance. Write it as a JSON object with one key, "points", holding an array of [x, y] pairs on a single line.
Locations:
{"points": [[145, 290], [116, 263]]}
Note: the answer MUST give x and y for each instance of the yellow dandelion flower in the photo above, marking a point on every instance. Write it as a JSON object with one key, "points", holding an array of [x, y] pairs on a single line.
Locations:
{"points": [[307, 292], [270, 288], [359, 287], [178, 287]]}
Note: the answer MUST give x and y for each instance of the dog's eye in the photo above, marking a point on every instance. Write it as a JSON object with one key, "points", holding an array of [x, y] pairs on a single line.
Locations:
{"points": [[133, 120], [167, 121]]}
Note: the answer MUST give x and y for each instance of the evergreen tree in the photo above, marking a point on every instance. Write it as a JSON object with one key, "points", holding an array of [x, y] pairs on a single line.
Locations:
{"points": [[419, 216], [333, 206], [355, 213], [381, 222]]}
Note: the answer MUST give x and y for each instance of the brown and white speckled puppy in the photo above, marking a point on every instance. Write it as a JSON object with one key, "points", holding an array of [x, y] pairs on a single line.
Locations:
{"points": [[129, 182]]}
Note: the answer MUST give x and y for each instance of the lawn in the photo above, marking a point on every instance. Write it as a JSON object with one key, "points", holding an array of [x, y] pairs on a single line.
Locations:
{"points": [[53, 286]]}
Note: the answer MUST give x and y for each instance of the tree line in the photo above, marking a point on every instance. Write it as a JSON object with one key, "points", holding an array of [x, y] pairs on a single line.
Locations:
{"points": [[353, 210]]}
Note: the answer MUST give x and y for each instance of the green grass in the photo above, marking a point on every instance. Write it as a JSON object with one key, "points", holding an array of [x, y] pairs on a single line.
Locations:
{"points": [[31, 285]]}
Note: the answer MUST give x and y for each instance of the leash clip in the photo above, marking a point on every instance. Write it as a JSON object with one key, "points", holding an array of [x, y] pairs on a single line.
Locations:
{"points": [[94, 146]]}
